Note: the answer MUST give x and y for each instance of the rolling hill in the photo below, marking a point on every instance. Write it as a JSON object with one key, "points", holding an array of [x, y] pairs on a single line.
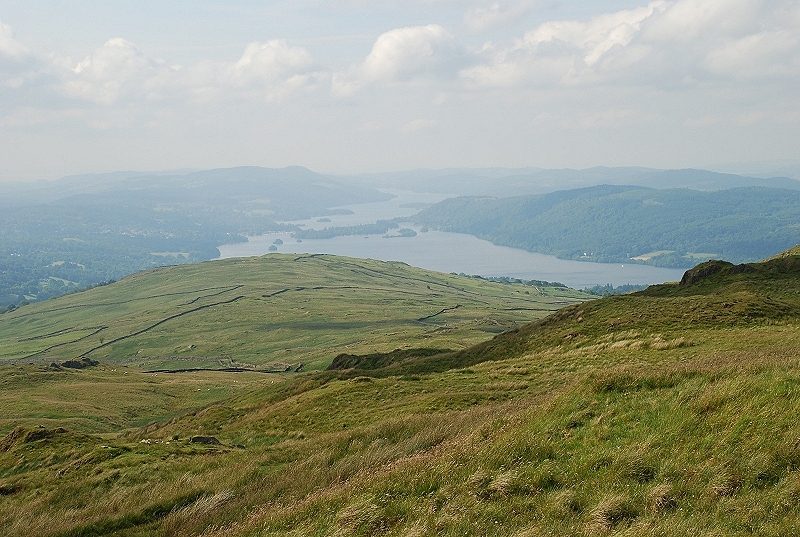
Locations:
{"points": [[624, 224], [671, 411], [268, 312]]}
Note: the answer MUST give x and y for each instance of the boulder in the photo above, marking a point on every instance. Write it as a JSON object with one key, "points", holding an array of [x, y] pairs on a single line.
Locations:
{"points": [[79, 364], [208, 440]]}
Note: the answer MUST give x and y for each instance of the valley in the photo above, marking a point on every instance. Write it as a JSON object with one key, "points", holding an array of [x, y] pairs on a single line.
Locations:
{"points": [[82, 231]]}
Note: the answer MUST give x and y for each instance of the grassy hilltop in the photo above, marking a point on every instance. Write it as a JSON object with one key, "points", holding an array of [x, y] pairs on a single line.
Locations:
{"points": [[672, 411], [270, 311]]}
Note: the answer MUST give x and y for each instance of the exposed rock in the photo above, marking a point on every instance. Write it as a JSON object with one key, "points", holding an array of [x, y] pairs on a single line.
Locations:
{"points": [[42, 433], [208, 440], [791, 252], [79, 364], [704, 270], [378, 360], [11, 438], [21, 435], [8, 490]]}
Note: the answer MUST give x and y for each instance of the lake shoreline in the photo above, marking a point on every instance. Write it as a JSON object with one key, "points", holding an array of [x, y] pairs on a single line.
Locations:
{"points": [[442, 251], [459, 253]]}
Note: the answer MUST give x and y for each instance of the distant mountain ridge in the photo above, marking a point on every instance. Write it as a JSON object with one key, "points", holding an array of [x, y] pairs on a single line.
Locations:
{"points": [[503, 182], [236, 180]]}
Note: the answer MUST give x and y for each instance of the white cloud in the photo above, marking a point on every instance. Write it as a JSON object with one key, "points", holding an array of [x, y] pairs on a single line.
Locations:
{"points": [[562, 51], [120, 71], [690, 20], [270, 61], [664, 43], [274, 69], [402, 55], [17, 64], [764, 54], [117, 70], [10, 48]]}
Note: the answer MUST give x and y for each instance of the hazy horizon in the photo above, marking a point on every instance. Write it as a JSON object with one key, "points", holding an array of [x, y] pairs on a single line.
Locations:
{"points": [[353, 86], [766, 170]]}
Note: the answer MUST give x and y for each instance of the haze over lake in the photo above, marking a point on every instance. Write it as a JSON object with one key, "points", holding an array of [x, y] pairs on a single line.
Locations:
{"points": [[446, 252]]}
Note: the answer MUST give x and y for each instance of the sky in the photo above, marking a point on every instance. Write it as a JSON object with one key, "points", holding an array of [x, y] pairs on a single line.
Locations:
{"points": [[347, 86]]}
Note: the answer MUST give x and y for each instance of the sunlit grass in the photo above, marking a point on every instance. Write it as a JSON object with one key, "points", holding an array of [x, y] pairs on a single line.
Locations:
{"points": [[276, 310]]}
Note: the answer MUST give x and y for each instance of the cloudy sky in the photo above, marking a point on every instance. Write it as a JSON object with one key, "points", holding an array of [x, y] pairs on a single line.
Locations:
{"points": [[368, 85]]}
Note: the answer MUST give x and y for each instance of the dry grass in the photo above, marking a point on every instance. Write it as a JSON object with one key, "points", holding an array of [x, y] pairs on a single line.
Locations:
{"points": [[726, 484], [612, 511], [202, 508], [662, 498]]}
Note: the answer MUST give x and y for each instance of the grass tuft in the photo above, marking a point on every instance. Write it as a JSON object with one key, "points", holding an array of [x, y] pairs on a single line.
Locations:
{"points": [[503, 484], [609, 513], [725, 484], [662, 498]]}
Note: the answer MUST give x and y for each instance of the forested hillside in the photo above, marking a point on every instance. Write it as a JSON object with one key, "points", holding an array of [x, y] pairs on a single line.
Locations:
{"points": [[674, 228]]}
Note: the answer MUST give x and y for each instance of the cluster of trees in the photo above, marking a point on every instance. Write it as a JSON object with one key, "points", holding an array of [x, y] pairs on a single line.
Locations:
{"points": [[378, 228], [508, 279], [608, 289], [617, 223], [405, 232]]}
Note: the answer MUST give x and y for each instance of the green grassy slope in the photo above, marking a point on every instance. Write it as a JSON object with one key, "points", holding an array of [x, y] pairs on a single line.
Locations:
{"points": [[278, 309], [105, 400], [668, 412]]}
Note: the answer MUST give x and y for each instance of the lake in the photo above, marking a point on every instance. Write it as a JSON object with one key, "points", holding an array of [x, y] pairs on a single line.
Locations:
{"points": [[447, 252]]}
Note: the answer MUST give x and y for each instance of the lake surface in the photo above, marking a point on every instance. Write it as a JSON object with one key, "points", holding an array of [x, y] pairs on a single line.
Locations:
{"points": [[447, 252]]}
